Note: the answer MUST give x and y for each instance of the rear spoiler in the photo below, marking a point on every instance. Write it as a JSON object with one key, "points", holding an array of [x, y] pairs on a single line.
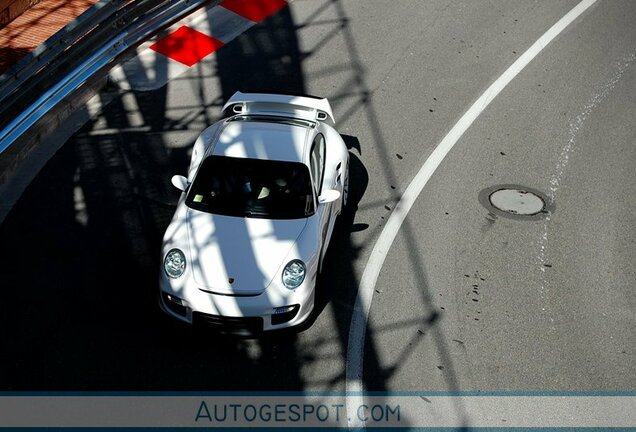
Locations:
{"points": [[300, 107]]}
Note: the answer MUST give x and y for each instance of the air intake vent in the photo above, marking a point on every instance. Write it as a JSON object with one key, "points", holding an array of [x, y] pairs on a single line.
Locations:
{"points": [[232, 325]]}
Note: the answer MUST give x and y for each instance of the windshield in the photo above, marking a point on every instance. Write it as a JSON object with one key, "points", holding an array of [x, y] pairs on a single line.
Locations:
{"points": [[252, 188]]}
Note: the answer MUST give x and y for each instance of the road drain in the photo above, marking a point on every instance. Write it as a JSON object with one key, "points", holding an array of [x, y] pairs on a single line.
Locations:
{"points": [[514, 201]]}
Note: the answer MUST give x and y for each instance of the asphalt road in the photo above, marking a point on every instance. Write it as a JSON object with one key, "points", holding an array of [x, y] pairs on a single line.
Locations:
{"points": [[466, 300]]}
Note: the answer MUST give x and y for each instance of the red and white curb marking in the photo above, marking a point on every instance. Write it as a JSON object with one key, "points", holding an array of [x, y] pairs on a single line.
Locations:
{"points": [[192, 40]]}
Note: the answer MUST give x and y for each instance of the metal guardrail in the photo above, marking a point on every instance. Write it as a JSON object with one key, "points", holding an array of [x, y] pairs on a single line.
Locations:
{"points": [[67, 60]]}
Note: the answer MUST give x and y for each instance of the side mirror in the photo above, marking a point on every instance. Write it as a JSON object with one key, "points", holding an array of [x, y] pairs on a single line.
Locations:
{"points": [[328, 196], [180, 182]]}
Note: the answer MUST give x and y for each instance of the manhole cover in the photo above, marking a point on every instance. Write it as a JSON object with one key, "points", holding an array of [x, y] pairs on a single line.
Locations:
{"points": [[516, 201]]}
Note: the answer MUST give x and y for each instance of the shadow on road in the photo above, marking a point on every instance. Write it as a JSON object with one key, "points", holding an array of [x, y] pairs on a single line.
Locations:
{"points": [[79, 309]]}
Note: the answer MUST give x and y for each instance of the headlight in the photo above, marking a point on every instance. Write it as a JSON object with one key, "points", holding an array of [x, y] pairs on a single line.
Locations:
{"points": [[294, 274], [174, 264]]}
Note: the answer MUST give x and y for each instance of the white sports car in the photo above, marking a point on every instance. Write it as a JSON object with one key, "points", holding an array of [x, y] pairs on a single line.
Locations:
{"points": [[256, 215]]}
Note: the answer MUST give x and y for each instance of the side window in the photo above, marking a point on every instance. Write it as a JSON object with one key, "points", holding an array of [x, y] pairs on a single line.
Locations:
{"points": [[318, 162]]}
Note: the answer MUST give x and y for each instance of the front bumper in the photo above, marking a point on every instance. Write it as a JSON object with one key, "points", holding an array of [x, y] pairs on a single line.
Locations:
{"points": [[237, 314]]}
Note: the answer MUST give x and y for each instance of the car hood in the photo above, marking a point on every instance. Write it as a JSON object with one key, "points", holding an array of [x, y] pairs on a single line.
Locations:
{"points": [[238, 256]]}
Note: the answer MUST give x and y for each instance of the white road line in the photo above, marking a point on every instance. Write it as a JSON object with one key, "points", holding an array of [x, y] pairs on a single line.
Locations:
{"points": [[359, 318]]}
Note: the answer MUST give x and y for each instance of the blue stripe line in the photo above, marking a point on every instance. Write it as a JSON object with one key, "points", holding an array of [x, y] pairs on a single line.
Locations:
{"points": [[318, 393], [314, 429]]}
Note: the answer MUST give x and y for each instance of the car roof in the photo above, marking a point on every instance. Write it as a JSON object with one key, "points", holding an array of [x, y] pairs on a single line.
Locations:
{"points": [[262, 140]]}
